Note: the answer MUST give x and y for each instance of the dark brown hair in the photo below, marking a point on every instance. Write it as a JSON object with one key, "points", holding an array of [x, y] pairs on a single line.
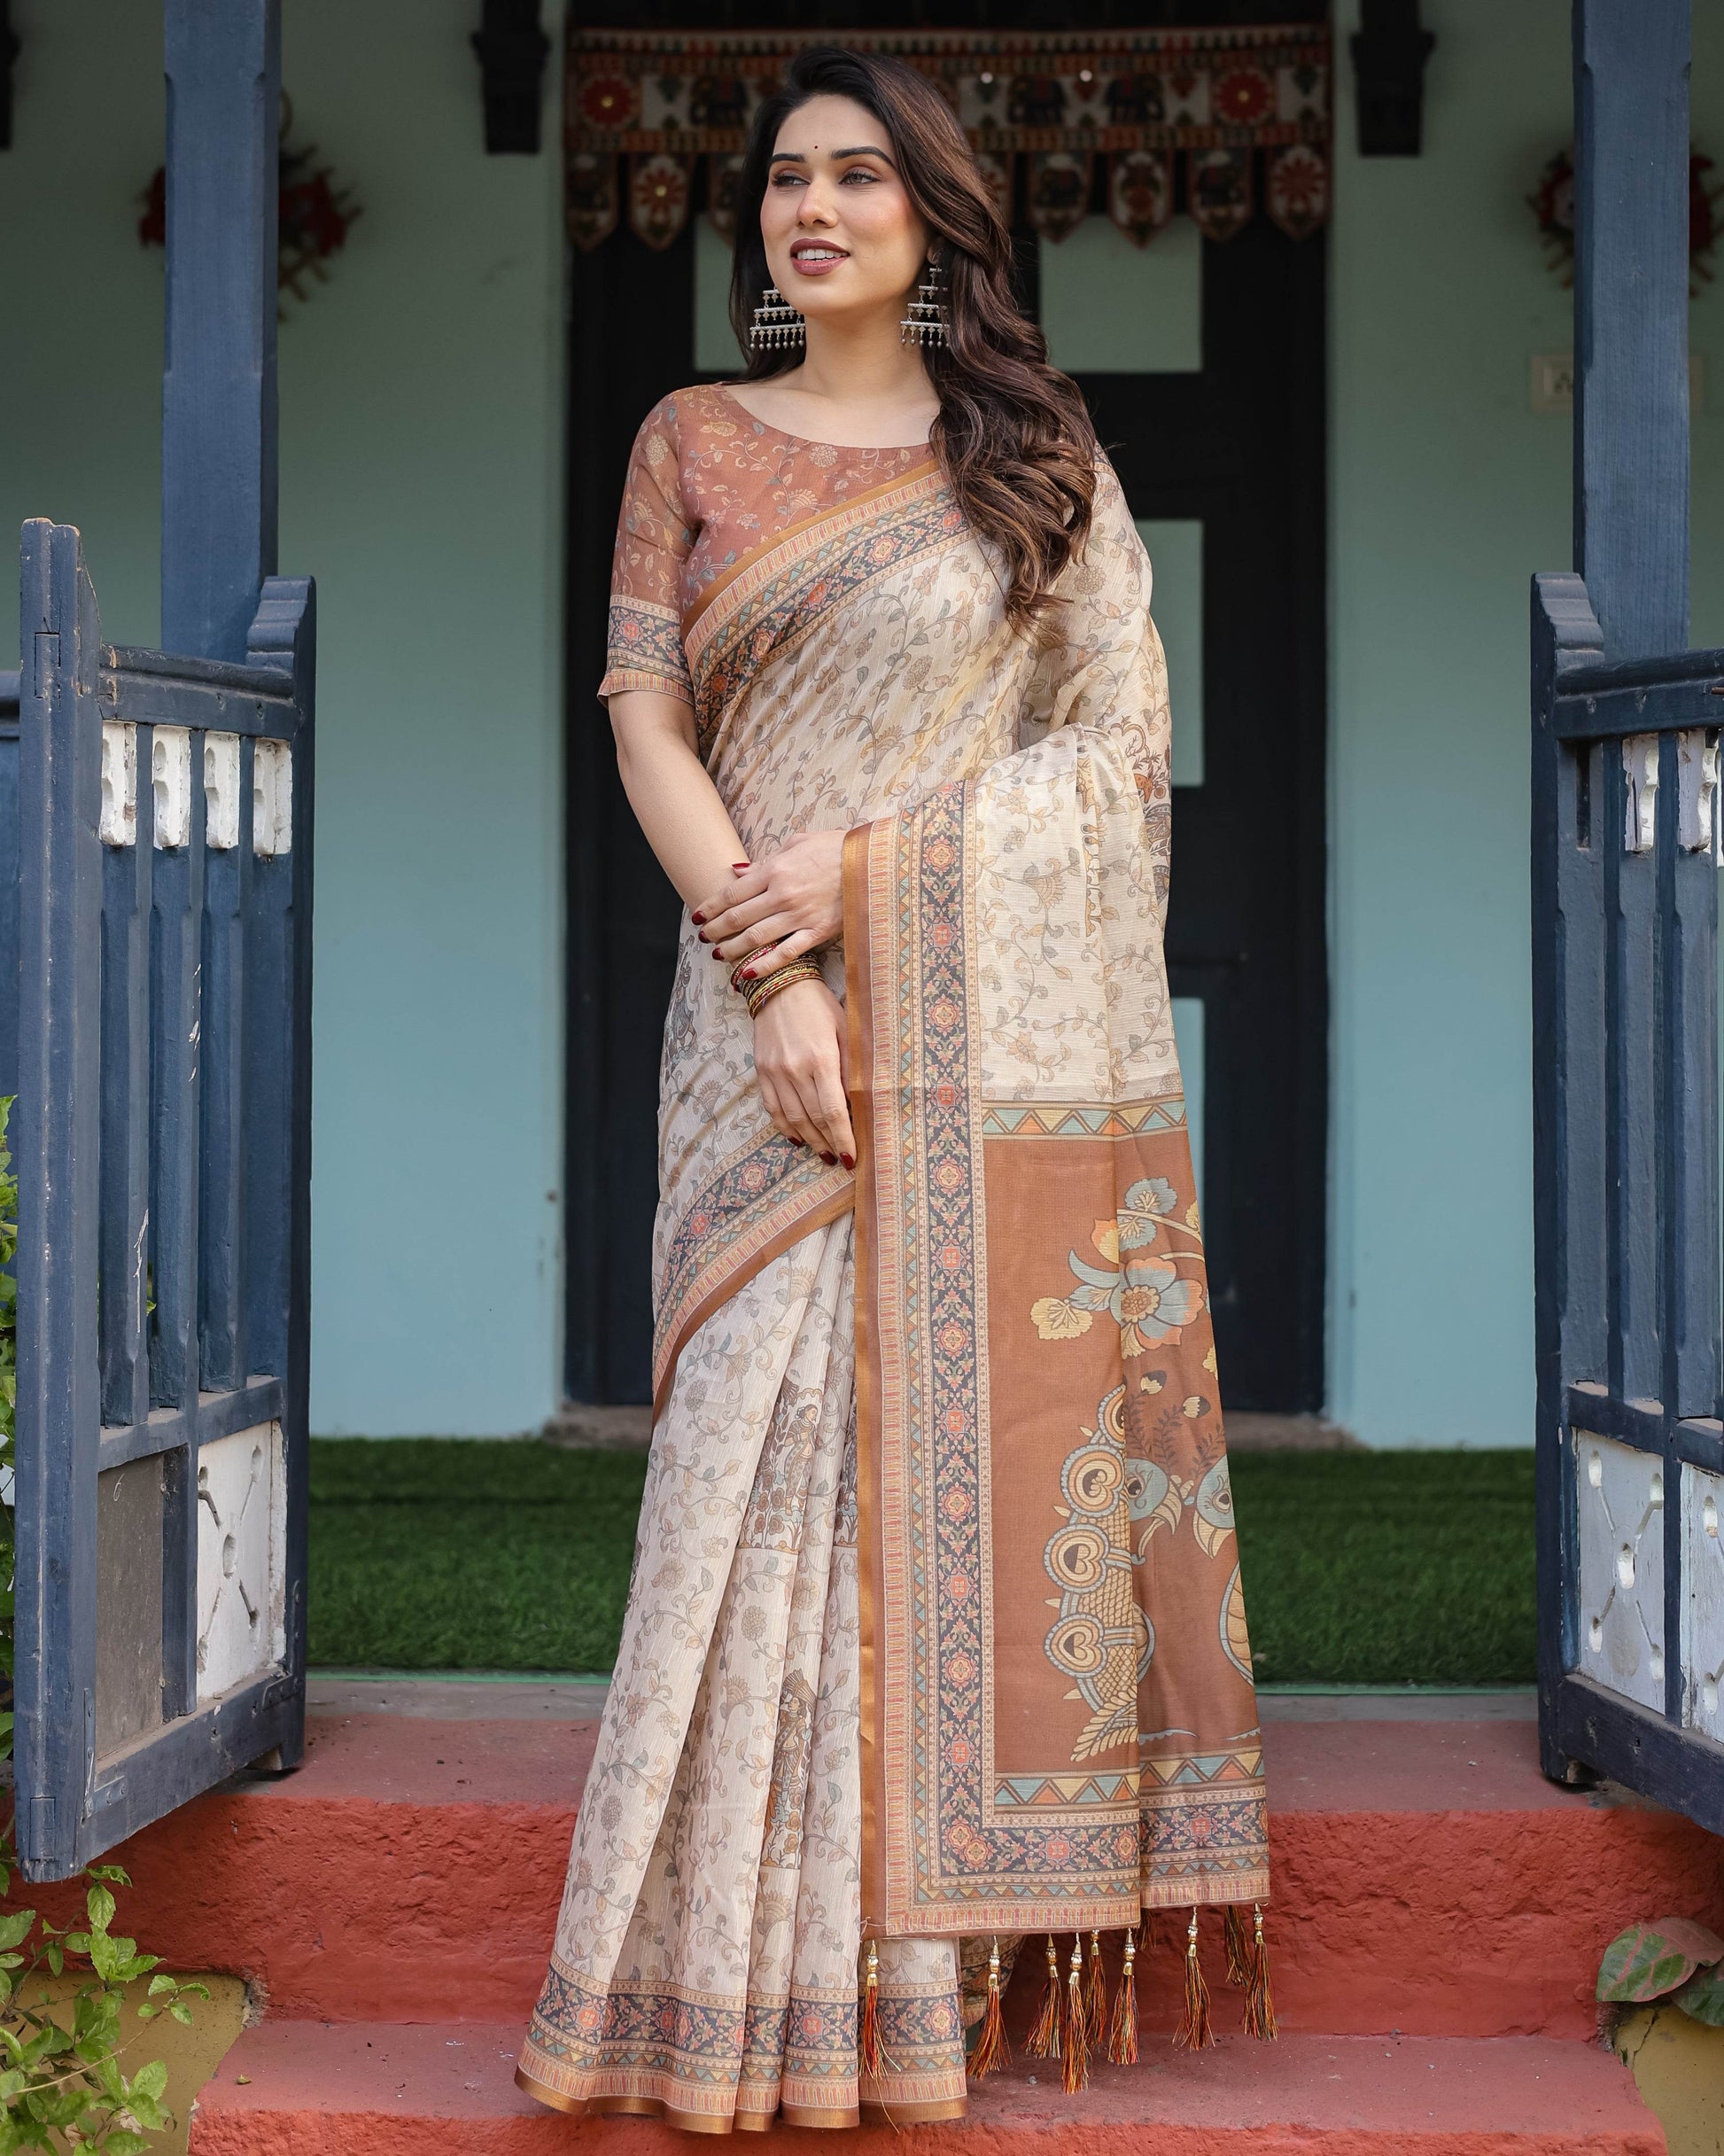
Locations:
{"points": [[1012, 436]]}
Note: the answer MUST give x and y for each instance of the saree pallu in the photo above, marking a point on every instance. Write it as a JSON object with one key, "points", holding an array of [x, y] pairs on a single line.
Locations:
{"points": [[936, 1630]]}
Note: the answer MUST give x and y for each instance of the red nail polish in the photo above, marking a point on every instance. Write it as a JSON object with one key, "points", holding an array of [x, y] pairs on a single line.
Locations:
{"points": [[739, 865], [697, 919], [748, 973], [716, 952], [830, 1159], [849, 1162]]}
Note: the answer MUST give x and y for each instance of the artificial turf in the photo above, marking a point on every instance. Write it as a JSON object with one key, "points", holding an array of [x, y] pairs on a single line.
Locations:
{"points": [[1360, 1568]]}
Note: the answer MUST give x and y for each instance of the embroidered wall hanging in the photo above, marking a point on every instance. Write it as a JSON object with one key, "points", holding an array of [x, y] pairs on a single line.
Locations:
{"points": [[1247, 110]]}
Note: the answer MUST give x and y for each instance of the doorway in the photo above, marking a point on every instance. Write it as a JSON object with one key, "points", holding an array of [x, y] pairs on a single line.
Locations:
{"points": [[1221, 451]]}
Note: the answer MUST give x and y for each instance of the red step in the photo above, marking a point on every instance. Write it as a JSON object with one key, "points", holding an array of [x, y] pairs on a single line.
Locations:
{"points": [[368, 2089], [1428, 1880]]}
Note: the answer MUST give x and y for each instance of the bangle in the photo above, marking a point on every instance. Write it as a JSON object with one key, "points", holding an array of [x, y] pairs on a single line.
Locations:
{"points": [[760, 992]]}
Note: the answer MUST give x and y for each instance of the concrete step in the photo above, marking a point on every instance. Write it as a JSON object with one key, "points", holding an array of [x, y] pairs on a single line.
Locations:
{"points": [[1428, 1881], [370, 2088]]}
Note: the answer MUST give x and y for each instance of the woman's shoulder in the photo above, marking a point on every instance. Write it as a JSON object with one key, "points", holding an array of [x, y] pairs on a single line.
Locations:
{"points": [[685, 412]]}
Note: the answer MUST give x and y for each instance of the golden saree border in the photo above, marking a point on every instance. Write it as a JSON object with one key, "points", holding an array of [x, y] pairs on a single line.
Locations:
{"points": [[989, 1802], [773, 599], [768, 1197]]}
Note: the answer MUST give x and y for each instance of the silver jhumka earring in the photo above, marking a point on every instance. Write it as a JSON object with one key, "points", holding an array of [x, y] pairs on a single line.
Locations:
{"points": [[776, 322], [925, 323]]}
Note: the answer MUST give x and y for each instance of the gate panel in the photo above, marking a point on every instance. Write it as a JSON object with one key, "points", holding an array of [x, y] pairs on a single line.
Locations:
{"points": [[164, 1163]]}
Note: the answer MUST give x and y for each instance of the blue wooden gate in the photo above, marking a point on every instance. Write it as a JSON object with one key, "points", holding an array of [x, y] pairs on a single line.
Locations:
{"points": [[155, 915], [162, 1142], [1626, 819]]}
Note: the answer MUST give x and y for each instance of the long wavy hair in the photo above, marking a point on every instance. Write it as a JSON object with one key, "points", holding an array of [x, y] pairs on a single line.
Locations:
{"points": [[1012, 436]]}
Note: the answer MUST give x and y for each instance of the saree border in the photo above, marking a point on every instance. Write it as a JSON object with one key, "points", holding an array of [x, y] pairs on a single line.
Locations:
{"points": [[775, 598], [779, 1214], [792, 533]]}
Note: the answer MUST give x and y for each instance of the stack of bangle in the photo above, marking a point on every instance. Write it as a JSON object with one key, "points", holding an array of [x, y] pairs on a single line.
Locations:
{"points": [[758, 993]]}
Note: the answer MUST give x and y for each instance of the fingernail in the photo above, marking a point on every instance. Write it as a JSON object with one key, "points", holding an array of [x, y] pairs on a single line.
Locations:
{"points": [[848, 1161], [738, 865], [716, 952], [748, 973], [830, 1159], [697, 919]]}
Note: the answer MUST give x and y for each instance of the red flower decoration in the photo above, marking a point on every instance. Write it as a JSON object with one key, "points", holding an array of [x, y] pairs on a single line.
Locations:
{"points": [[610, 101], [1242, 96]]}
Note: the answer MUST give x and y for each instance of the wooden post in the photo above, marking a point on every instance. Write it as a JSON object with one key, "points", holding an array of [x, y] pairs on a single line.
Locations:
{"points": [[218, 449], [1631, 152]]}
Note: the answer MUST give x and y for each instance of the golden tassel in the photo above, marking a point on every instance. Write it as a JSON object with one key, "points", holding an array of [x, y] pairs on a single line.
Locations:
{"points": [[1123, 2037], [1259, 1999], [1239, 1952], [1077, 2035], [992, 2050], [1043, 2042], [1194, 2032], [869, 2050], [1095, 1992]]}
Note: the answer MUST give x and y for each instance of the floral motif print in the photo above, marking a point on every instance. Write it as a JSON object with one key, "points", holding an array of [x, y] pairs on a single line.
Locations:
{"points": [[1143, 1290]]}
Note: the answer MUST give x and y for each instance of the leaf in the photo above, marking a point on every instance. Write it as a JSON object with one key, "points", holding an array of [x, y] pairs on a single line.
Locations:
{"points": [[1106, 1240], [1702, 1997], [181, 2013], [151, 2081], [101, 1904], [1649, 1960], [1055, 1319], [15, 1928], [126, 2144]]}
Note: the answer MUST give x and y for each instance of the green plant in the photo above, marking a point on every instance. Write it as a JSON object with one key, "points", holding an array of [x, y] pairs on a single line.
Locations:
{"points": [[61, 2087], [1675, 1959]]}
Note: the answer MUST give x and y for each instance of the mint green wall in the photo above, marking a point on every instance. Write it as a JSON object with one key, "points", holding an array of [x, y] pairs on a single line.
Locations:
{"points": [[1448, 493], [422, 483]]}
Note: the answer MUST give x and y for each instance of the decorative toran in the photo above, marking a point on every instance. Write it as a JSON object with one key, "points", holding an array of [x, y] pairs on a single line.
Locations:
{"points": [[1246, 109]]}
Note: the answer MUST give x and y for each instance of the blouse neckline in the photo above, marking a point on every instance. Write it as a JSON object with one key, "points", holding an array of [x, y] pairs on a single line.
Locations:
{"points": [[810, 441]]}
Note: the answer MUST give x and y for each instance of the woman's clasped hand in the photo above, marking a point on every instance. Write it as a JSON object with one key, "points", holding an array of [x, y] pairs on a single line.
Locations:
{"points": [[771, 912]]}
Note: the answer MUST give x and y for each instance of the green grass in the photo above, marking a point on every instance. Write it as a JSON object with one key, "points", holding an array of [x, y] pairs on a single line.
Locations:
{"points": [[1387, 1568], [1360, 1568], [441, 1553]]}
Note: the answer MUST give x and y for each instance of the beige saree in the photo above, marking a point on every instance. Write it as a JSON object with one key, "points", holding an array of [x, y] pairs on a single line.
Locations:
{"points": [[935, 1633]]}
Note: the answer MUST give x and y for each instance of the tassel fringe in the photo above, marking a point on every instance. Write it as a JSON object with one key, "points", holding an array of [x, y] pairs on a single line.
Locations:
{"points": [[992, 2050], [1077, 2034], [1259, 1998], [1238, 1949], [1194, 2032], [1095, 1993], [868, 2051], [1043, 2042], [1123, 2037]]}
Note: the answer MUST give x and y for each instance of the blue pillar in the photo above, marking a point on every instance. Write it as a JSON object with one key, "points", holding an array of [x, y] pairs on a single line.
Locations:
{"points": [[1631, 477], [218, 437]]}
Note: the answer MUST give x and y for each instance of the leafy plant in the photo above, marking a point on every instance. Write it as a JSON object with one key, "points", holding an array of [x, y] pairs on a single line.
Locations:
{"points": [[61, 2085], [1673, 1958]]}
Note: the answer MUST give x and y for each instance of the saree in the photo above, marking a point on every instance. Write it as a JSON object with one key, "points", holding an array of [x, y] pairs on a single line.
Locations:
{"points": [[936, 1634]]}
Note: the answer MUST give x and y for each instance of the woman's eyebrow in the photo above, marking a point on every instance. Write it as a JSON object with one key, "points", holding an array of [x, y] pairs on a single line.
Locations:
{"points": [[800, 157]]}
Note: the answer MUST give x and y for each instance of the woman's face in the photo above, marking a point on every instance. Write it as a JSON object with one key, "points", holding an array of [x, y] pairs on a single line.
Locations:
{"points": [[843, 236]]}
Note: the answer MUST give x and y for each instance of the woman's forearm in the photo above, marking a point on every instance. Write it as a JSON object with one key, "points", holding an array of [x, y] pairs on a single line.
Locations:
{"points": [[675, 801]]}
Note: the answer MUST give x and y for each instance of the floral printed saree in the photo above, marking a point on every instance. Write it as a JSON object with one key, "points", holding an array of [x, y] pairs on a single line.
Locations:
{"points": [[935, 1633]]}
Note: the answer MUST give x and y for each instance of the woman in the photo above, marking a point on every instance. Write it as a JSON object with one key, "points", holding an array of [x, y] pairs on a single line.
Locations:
{"points": [[935, 1636]]}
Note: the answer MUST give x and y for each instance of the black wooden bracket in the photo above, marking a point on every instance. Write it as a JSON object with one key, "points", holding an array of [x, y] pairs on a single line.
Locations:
{"points": [[512, 50], [10, 49], [1389, 52]]}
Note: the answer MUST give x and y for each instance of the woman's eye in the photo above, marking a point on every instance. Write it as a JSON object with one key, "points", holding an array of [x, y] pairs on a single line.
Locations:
{"points": [[861, 172], [787, 179]]}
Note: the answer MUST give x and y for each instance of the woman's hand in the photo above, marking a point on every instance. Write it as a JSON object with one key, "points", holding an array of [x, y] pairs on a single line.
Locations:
{"points": [[799, 1056], [774, 910]]}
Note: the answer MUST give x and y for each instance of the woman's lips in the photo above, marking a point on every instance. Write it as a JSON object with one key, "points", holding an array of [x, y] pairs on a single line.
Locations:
{"points": [[818, 265]]}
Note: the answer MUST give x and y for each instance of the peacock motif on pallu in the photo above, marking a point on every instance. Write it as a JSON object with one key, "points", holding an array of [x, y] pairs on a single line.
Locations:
{"points": [[1114, 1506]]}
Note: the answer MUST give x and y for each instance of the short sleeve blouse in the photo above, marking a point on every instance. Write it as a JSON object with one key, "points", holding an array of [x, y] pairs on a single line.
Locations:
{"points": [[707, 483]]}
